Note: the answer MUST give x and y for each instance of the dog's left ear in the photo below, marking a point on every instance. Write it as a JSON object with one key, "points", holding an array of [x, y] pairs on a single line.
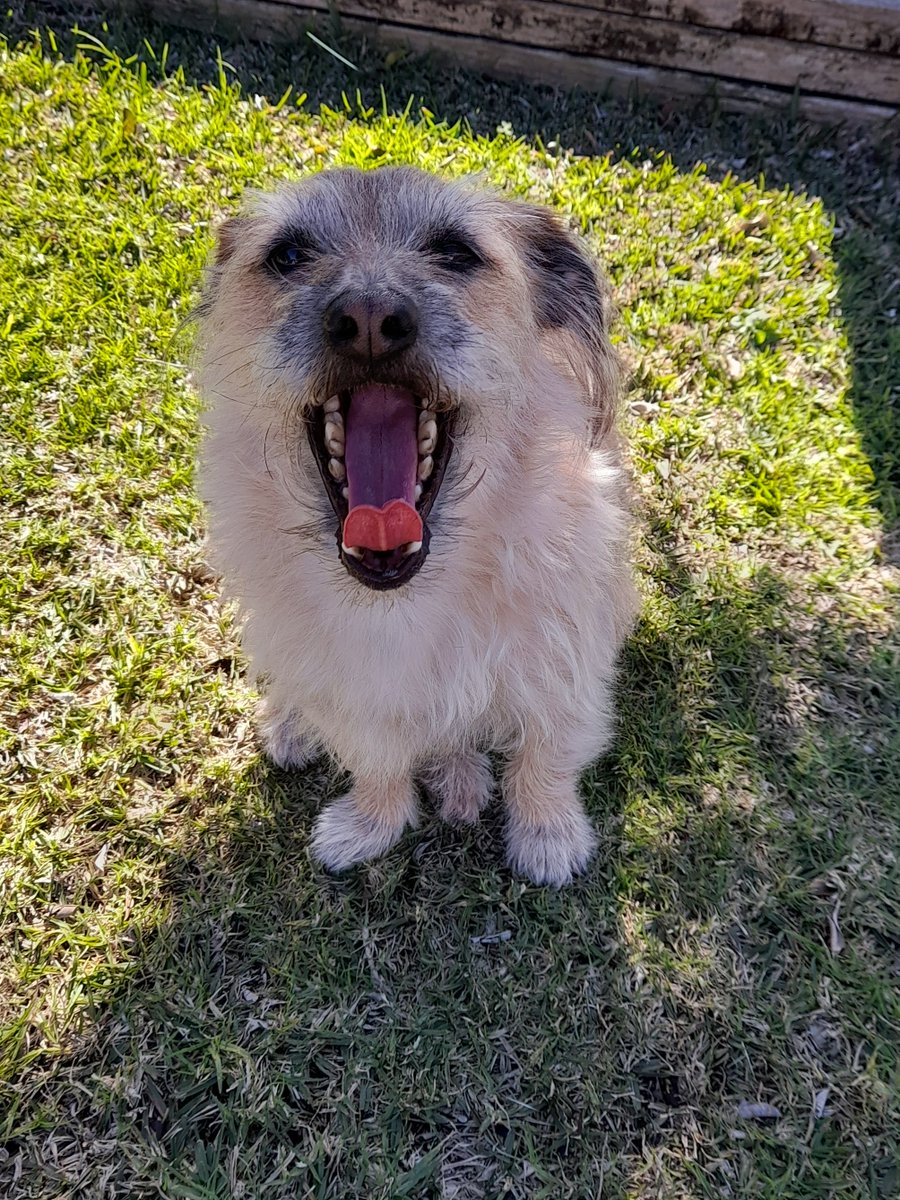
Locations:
{"points": [[568, 294]]}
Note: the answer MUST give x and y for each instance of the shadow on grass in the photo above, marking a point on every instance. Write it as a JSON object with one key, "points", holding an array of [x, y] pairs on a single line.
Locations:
{"points": [[430, 1027]]}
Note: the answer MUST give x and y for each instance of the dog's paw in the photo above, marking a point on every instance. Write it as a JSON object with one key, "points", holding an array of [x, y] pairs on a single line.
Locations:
{"points": [[552, 852], [463, 785], [286, 743], [344, 834]]}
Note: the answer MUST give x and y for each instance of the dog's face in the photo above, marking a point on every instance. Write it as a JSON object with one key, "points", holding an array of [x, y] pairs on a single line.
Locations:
{"points": [[394, 319]]}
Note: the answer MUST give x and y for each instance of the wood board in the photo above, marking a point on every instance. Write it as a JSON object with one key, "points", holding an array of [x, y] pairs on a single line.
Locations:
{"points": [[599, 33], [835, 84]]}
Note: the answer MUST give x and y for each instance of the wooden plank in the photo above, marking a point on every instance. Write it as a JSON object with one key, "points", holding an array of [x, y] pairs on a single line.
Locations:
{"points": [[278, 22], [617, 78], [871, 25], [599, 34]]}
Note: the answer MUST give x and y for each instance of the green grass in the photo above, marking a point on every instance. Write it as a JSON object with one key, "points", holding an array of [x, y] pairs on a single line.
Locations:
{"points": [[188, 1008]]}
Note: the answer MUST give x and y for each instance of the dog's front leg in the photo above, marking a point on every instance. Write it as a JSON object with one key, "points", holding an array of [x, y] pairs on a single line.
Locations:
{"points": [[548, 835], [366, 822]]}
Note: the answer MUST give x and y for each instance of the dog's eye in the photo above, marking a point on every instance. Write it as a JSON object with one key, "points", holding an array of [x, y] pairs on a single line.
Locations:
{"points": [[453, 254], [288, 255]]}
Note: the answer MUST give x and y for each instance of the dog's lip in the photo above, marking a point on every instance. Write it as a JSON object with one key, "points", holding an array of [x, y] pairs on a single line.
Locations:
{"points": [[389, 570], [377, 570]]}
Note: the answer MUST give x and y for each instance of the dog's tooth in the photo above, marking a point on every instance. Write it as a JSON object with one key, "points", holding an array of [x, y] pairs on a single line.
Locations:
{"points": [[334, 420], [426, 465], [334, 440], [425, 414], [345, 492], [336, 470], [411, 548], [332, 404], [418, 492], [353, 551], [427, 436]]}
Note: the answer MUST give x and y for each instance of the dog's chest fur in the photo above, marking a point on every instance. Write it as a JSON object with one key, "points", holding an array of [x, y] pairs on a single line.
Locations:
{"points": [[398, 677]]}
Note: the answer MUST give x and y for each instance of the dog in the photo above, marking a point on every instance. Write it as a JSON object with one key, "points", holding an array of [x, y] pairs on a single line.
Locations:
{"points": [[416, 495]]}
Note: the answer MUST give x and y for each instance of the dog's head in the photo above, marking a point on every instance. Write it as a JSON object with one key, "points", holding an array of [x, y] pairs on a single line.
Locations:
{"points": [[396, 319]]}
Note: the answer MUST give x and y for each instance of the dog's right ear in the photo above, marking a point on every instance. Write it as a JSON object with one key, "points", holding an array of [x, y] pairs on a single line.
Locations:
{"points": [[228, 237]]}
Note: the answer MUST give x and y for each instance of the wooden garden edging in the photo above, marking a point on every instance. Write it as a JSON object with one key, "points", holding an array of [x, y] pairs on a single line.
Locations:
{"points": [[836, 59]]}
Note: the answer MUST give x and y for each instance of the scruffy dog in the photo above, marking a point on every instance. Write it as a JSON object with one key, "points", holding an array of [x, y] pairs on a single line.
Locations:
{"points": [[415, 494]]}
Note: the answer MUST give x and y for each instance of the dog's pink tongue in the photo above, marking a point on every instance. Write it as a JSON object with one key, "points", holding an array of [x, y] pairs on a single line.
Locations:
{"points": [[381, 456]]}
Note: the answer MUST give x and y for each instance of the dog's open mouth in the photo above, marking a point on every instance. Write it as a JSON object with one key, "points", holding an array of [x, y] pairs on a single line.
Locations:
{"points": [[382, 453]]}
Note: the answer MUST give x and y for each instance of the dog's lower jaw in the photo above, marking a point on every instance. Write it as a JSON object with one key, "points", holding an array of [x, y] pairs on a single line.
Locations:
{"points": [[365, 823]]}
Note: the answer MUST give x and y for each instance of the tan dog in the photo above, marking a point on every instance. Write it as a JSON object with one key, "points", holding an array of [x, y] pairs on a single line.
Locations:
{"points": [[414, 492]]}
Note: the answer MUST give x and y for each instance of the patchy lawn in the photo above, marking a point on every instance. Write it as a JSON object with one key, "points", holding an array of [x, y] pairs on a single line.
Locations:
{"points": [[188, 1007]]}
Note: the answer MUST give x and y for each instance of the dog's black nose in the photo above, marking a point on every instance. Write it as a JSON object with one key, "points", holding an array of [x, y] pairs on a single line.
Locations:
{"points": [[370, 327]]}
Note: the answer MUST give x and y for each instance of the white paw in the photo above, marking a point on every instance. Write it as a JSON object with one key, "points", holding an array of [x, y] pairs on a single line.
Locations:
{"points": [[344, 835], [287, 744], [551, 852], [463, 785]]}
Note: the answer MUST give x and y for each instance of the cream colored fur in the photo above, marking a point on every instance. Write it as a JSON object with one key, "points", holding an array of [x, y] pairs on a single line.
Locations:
{"points": [[506, 639]]}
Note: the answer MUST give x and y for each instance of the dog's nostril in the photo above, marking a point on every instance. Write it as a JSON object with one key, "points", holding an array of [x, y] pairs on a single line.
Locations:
{"points": [[398, 326], [394, 327], [344, 328]]}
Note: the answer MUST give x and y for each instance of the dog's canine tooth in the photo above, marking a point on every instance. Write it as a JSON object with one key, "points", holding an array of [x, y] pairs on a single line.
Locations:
{"points": [[411, 548], [345, 492], [418, 492], [337, 470], [427, 436], [332, 404], [426, 466], [425, 414], [353, 551]]}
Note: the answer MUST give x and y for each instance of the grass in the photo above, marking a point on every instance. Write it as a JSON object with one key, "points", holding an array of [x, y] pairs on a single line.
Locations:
{"points": [[189, 1009]]}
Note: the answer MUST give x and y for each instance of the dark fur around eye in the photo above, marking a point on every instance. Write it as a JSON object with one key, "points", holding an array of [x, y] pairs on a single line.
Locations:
{"points": [[454, 253], [290, 254]]}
